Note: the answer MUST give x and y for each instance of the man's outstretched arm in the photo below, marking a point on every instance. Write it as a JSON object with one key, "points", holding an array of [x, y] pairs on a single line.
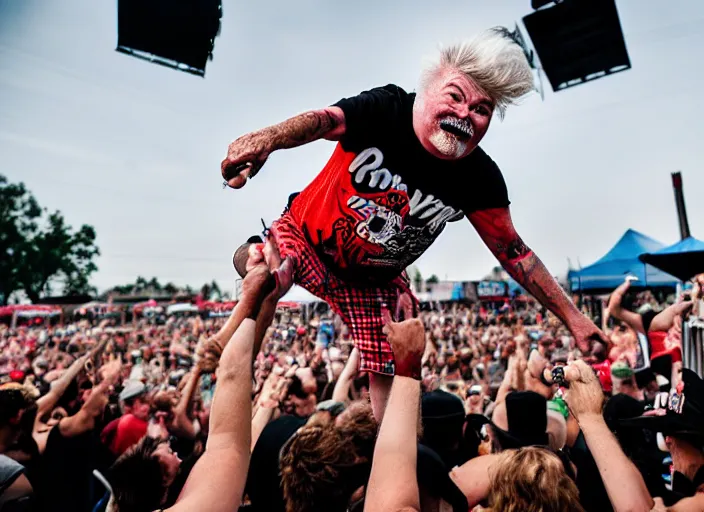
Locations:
{"points": [[247, 154], [496, 228]]}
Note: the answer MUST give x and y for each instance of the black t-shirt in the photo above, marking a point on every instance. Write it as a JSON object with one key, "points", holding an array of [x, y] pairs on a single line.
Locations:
{"points": [[382, 198], [592, 493], [263, 478], [647, 319], [67, 466]]}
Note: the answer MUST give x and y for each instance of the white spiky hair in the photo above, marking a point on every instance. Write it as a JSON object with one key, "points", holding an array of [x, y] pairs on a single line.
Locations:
{"points": [[492, 60]]}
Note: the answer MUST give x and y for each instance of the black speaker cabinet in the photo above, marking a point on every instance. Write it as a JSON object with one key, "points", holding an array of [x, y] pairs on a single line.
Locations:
{"points": [[578, 41], [175, 33]]}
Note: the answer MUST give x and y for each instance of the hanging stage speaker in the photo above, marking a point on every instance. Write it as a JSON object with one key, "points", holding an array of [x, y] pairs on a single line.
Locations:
{"points": [[175, 33], [578, 41]]}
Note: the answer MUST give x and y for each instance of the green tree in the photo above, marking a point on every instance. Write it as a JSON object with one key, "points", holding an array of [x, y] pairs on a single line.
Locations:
{"points": [[140, 284], [433, 279], [211, 291], [154, 284], [418, 280], [39, 249]]}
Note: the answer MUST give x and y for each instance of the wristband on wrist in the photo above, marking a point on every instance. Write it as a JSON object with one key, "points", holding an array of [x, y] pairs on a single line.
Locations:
{"points": [[413, 370]]}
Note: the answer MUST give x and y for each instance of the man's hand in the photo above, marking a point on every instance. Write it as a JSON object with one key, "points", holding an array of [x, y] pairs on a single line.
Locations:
{"points": [[110, 372], [407, 340], [208, 352], [245, 156], [158, 429], [257, 285], [207, 360], [537, 364], [270, 395], [586, 333], [620, 291], [584, 396]]}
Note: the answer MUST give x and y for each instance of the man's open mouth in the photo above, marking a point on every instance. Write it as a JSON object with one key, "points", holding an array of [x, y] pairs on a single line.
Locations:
{"points": [[457, 127]]}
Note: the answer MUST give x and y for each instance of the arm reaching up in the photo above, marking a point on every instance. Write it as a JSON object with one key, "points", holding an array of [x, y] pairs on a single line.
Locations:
{"points": [[341, 393], [84, 420], [58, 387], [664, 320], [620, 313], [393, 485], [624, 483], [217, 481]]}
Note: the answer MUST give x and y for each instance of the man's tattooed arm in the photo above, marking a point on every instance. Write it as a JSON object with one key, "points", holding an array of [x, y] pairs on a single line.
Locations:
{"points": [[254, 148], [328, 123], [496, 229]]}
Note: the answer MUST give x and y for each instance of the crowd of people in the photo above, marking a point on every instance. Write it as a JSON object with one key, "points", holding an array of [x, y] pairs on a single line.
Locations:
{"points": [[493, 407]]}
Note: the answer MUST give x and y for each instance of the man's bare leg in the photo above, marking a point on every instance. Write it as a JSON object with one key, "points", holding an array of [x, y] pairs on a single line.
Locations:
{"points": [[379, 390], [380, 385]]}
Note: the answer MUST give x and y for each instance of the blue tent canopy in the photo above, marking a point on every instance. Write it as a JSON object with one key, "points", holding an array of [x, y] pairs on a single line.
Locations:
{"points": [[621, 261], [514, 288], [685, 259]]}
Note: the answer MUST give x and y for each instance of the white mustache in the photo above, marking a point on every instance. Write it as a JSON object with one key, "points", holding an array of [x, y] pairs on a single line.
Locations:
{"points": [[457, 126]]}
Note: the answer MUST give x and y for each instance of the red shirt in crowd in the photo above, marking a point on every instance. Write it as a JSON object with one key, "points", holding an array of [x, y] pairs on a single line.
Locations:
{"points": [[123, 433]]}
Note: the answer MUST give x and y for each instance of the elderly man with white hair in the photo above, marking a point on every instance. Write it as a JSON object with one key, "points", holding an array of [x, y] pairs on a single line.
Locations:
{"points": [[405, 164]]}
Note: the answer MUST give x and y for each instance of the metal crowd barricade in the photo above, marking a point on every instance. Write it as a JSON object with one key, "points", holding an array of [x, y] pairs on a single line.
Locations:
{"points": [[693, 345]]}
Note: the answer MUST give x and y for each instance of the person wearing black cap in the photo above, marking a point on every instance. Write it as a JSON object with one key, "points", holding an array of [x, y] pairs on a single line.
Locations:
{"points": [[443, 421], [521, 420], [680, 418], [638, 444]]}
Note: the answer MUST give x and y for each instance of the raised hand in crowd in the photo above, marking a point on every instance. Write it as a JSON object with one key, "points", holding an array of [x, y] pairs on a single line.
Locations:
{"points": [[392, 484], [341, 393], [217, 480], [585, 398]]}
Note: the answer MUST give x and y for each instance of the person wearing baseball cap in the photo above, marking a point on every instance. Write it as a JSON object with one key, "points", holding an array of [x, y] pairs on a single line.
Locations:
{"points": [[521, 420], [126, 431], [679, 416], [443, 419]]}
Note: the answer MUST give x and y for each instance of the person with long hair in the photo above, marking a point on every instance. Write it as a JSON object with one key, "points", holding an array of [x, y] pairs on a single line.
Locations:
{"points": [[532, 479]]}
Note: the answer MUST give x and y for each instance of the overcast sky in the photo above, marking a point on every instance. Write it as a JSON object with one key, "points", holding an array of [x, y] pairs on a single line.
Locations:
{"points": [[134, 148]]}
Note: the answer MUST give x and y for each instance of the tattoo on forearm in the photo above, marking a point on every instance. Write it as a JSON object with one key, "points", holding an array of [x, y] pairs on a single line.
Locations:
{"points": [[301, 129], [532, 274], [255, 147], [497, 231], [516, 249]]}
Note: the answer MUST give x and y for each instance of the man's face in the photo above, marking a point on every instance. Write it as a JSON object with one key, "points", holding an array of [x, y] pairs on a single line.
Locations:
{"points": [[169, 462], [141, 409], [451, 115]]}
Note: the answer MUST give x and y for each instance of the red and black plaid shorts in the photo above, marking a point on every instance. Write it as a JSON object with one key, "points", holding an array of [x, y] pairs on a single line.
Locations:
{"points": [[359, 306]]}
